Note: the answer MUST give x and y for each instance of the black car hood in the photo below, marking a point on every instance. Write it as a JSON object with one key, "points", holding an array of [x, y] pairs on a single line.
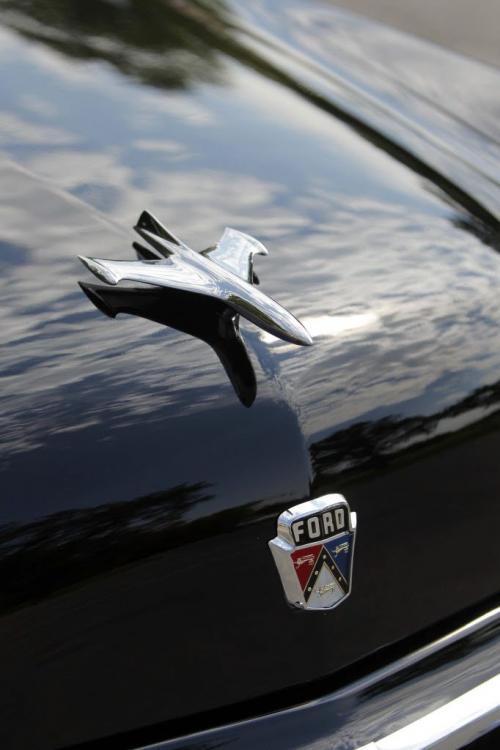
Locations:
{"points": [[138, 492]]}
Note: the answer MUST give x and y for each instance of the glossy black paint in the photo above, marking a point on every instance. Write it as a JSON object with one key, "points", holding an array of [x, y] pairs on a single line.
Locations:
{"points": [[138, 494], [203, 317], [369, 708]]}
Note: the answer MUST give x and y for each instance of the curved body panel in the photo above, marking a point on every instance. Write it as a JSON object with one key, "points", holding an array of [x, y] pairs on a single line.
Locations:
{"points": [[138, 492], [440, 696]]}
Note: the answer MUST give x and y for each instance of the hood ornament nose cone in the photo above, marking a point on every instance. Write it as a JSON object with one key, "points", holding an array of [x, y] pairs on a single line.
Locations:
{"points": [[202, 294]]}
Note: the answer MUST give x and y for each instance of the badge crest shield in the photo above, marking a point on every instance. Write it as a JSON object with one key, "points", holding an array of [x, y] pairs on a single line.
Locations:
{"points": [[313, 552]]}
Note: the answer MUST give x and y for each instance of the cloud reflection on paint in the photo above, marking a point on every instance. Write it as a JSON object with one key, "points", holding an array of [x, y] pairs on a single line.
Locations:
{"points": [[324, 326], [402, 335]]}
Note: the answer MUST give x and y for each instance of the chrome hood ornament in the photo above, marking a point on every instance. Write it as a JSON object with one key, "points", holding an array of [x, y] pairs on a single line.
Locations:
{"points": [[224, 273], [202, 294]]}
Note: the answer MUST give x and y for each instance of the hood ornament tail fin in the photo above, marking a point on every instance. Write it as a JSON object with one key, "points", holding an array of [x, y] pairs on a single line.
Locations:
{"points": [[201, 293]]}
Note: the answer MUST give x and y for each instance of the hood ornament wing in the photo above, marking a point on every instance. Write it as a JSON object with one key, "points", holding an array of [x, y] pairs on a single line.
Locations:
{"points": [[199, 293], [217, 274]]}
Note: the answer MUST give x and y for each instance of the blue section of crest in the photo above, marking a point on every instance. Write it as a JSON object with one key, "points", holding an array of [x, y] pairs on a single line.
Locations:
{"points": [[340, 549]]}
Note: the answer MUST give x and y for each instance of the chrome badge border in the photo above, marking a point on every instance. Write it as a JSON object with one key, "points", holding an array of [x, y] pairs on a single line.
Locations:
{"points": [[283, 545]]}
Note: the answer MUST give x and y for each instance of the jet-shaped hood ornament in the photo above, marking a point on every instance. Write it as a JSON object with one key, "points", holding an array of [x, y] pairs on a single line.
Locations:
{"points": [[199, 293]]}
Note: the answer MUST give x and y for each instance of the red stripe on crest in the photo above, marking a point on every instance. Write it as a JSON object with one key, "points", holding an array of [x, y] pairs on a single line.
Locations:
{"points": [[304, 561]]}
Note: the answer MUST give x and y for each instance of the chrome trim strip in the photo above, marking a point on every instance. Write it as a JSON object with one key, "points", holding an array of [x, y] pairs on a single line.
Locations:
{"points": [[352, 690], [451, 726], [490, 618]]}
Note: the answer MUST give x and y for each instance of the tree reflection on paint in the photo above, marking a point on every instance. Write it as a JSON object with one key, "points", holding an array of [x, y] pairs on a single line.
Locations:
{"points": [[166, 44]]}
